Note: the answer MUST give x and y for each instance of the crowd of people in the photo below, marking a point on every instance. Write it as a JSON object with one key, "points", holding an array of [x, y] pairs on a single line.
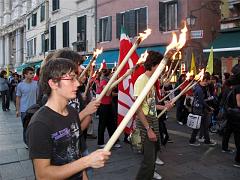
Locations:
{"points": [[55, 131]]}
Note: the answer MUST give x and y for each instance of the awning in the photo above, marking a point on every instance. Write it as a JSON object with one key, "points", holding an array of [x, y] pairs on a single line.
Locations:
{"points": [[226, 44], [35, 65], [111, 56]]}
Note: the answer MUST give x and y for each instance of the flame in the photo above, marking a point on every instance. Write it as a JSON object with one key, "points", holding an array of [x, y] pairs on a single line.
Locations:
{"points": [[94, 74], [93, 63], [166, 69], [143, 57], [182, 37], [179, 55], [173, 44], [97, 52], [145, 34], [188, 75], [101, 66], [199, 76]]}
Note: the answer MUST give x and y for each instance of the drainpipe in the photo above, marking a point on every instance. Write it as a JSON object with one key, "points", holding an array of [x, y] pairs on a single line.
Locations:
{"points": [[95, 24], [46, 32]]}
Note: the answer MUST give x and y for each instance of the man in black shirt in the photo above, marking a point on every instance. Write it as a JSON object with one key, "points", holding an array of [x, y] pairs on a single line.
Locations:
{"points": [[55, 132]]}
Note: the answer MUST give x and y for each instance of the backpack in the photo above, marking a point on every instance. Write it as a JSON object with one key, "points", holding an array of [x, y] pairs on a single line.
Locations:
{"points": [[29, 113]]}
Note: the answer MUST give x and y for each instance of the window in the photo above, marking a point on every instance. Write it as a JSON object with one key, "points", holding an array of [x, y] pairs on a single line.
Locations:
{"points": [[53, 37], [30, 48], [134, 22], [34, 19], [81, 33], [105, 29], [168, 15], [42, 13], [55, 5], [66, 34], [28, 23]]}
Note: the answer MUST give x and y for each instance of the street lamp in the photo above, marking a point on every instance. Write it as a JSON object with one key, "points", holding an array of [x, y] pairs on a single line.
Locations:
{"points": [[191, 20]]}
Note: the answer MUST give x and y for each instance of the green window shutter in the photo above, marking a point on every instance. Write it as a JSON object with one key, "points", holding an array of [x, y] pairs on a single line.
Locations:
{"points": [[162, 17], [142, 20], [119, 23]]}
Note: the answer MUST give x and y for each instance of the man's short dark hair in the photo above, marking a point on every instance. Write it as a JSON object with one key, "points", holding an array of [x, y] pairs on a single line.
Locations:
{"points": [[54, 69], [153, 59], [69, 54], [206, 76], [27, 69], [3, 73]]}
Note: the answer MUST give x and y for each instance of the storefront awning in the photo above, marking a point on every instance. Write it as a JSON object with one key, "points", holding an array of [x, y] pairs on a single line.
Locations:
{"points": [[226, 44], [111, 56], [35, 65]]}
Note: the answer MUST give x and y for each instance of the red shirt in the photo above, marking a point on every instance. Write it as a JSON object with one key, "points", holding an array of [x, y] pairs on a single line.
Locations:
{"points": [[106, 99]]}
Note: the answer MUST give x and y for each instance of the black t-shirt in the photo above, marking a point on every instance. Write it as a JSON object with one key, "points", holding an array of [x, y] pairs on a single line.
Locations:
{"points": [[236, 90], [56, 137]]}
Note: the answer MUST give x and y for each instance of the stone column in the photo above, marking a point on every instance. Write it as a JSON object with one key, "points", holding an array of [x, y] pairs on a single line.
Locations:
{"points": [[1, 52], [19, 8], [19, 47], [7, 12], [7, 50], [1, 12]]}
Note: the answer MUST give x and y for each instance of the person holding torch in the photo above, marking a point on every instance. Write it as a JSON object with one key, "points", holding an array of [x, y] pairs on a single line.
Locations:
{"points": [[147, 119]]}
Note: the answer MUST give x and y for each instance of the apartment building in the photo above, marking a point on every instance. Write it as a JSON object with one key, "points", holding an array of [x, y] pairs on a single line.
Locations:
{"points": [[163, 17], [57, 24], [12, 32], [226, 46]]}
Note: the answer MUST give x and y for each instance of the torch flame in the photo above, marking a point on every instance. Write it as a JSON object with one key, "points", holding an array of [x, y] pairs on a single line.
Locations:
{"points": [[199, 76], [173, 43], [179, 55], [97, 52], [93, 63], [188, 75], [101, 66], [143, 57], [182, 37], [94, 74], [145, 34]]}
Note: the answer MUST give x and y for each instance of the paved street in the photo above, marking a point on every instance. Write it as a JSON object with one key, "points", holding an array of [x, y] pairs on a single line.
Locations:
{"points": [[182, 162]]}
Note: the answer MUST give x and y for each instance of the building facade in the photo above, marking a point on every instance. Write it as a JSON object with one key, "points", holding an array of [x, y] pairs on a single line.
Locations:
{"points": [[12, 32], [32, 28], [226, 46], [163, 17]]}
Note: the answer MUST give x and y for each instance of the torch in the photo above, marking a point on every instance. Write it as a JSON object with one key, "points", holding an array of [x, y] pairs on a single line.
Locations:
{"points": [[171, 49], [141, 60], [140, 38], [95, 55], [187, 88], [188, 77]]}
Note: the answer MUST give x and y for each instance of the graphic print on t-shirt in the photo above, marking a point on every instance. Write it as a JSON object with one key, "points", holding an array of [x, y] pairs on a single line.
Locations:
{"points": [[66, 145]]}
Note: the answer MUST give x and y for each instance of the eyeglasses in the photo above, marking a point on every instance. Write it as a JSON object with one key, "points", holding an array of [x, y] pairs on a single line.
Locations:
{"points": [[71, 77]]}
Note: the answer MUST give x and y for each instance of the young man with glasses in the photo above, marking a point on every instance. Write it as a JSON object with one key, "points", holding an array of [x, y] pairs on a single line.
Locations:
{"points": [[54, 134]]}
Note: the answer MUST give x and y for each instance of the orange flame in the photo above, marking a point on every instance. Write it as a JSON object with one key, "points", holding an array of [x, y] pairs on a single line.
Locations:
{"points": [[93, 63], [182, 37], [179, 55], [101, 66], [173, 43], [143, 57], [94, 74], [182, 40], [188, 75], [199, 76], [145, 34], [97, 52]]}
